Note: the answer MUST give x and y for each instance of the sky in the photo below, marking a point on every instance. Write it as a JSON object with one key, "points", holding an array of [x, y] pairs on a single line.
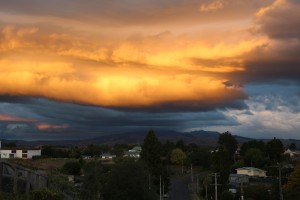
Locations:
{"points": [[74, 69]]}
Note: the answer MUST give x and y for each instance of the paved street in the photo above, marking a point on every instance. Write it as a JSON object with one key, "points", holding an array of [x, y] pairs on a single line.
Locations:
{"points": [[179, 189]]}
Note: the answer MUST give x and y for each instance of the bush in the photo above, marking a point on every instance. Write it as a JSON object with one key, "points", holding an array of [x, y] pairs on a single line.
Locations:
{"points": [[46, 194], [226, 195], [72, 168]]}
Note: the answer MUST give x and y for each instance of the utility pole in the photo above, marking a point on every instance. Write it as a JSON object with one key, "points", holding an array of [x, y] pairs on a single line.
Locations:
{"points": [[216, 187], [160, 187], [280, 188], [181, 166], [149, 182], [197, 184], [279, 181], [242, 191], [206, 192], [163, 186], [192, 173]]}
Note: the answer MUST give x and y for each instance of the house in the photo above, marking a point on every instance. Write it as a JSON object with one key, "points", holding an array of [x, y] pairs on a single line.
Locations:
{"points": [[291, 153], [236, 179], [134, 152], [86, 157], [19, 152], [107, 156], [251, 171]]}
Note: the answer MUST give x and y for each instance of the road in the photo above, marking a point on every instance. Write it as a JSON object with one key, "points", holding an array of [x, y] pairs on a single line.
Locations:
{"points": [[179, 189]]}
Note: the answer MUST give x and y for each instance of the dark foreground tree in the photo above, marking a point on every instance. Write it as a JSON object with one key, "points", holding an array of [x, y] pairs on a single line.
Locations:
{"points": [[274, 149], [292, 188], [128, 181], [151, 155], [258, 144], [257, 192], [71, 168], [228, 142], [151, 150], [46, 194], [254, 157], [221, 164], [94, 178]]}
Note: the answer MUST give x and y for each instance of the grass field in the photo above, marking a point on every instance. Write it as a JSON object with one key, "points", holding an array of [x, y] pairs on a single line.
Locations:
{"points": [[46, 164]]}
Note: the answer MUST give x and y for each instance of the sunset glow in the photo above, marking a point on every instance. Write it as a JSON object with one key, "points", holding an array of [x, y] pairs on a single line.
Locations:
{"points": [[141, 56]]}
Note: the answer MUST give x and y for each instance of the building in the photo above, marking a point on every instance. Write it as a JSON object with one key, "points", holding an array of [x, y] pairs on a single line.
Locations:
{"points": [[291, 153], [134, 152], [107, 157], [236, 180], [251, 171], [19, 152]]}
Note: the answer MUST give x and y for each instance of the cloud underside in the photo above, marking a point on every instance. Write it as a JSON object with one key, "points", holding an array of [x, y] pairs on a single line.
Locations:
{"points": [[150, 57]]}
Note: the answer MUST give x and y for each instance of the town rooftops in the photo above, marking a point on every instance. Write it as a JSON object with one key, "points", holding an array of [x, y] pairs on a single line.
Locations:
{"points": [[250, 168]]}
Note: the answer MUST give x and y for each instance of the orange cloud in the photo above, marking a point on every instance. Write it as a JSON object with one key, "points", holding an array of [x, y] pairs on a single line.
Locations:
{"points": [[51, 126], [11, 118], [141, 71], [215, 5], [276, 4]]}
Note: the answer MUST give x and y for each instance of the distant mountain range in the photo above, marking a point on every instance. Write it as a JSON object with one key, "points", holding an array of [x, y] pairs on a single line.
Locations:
{"points": [[207, 138]]}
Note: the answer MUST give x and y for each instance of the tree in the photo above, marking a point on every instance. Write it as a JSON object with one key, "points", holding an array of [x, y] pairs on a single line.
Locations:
{"points": [[253, 157], [226, 195], [292, 188], [9, 144], [95, 176], [274, 149], [253, 144], [257, 192], [92, 150], [228, 142], [201, 157], [180, 144], [166, 149], [74, 152], [151, 150], [59, 183], [46, 194], [222, 163], [151, 155], [128, 181], [72, 168], [293, 146], [177, 156]]}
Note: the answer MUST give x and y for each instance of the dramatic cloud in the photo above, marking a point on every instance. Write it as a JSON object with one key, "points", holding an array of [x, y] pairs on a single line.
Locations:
{"points": [[278, 59], [137, 64], [134, 73]]}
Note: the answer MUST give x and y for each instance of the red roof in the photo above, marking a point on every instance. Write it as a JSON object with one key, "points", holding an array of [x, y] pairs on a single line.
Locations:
{"points": [[20, 148]]}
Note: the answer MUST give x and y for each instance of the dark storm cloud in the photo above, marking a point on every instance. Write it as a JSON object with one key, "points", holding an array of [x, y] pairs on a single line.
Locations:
{"points": [[88, 121], [282, 20], [189, 106], [279, 58]]}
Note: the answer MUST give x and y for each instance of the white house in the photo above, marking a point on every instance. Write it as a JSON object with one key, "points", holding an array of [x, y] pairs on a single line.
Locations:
{"points": [[107, 156], [19, 152], [251, 171]]}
